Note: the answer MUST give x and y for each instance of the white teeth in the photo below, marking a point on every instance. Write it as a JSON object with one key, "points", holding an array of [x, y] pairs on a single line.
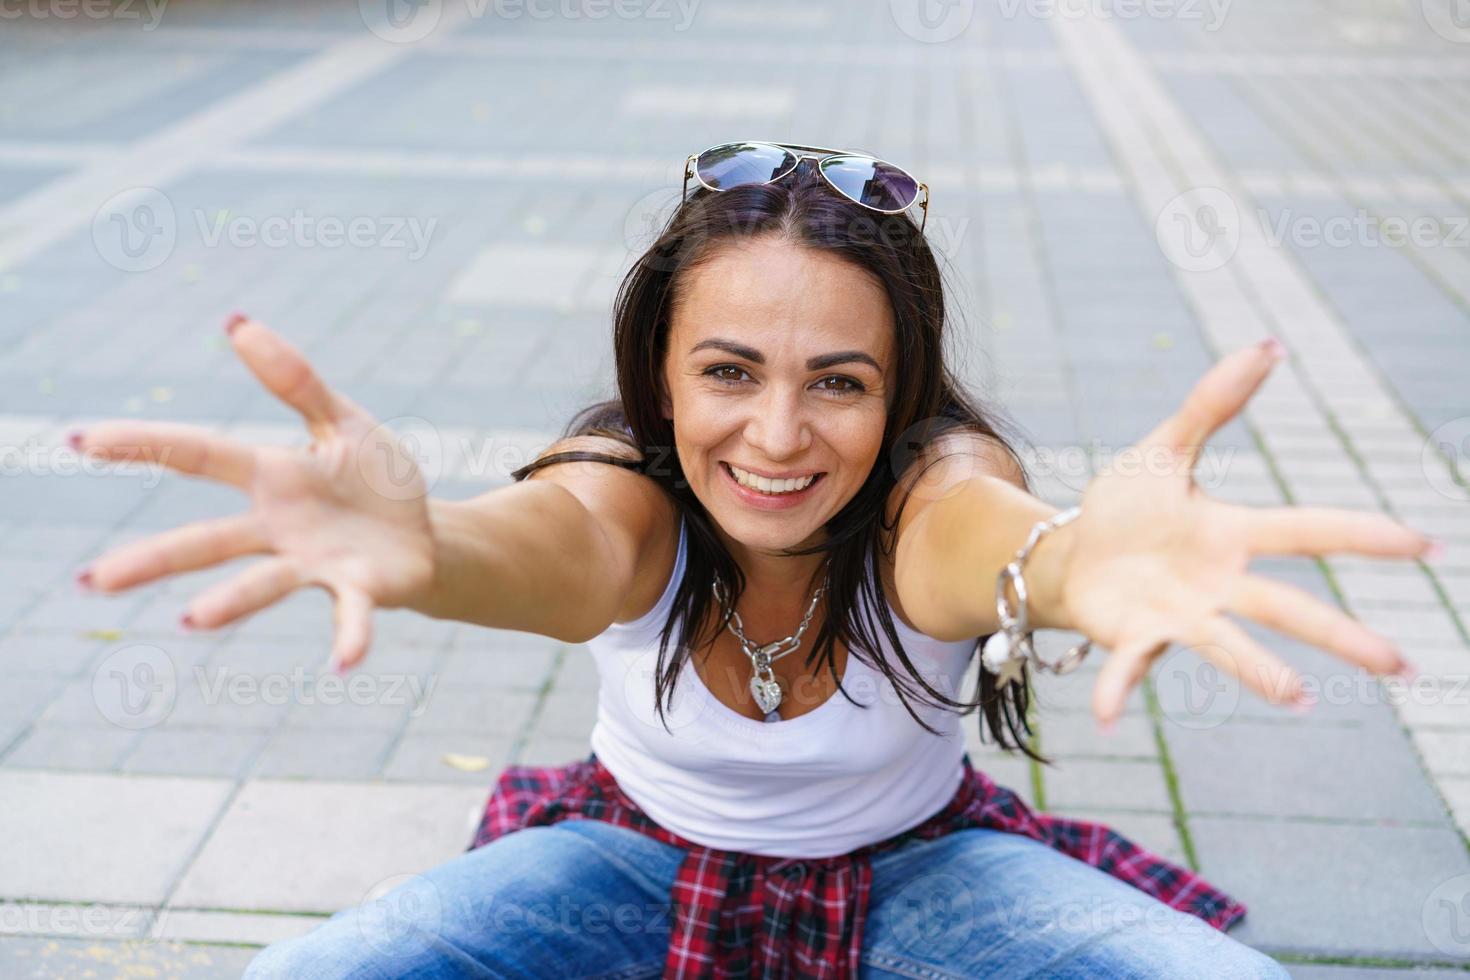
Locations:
{"points": [[765, 485]]}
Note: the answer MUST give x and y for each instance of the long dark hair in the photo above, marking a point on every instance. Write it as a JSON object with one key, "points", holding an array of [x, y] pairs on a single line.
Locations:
{"points": [[928, 403]]}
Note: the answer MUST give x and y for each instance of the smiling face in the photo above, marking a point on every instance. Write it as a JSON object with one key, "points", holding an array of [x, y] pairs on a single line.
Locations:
{"points": [[779, 365]]}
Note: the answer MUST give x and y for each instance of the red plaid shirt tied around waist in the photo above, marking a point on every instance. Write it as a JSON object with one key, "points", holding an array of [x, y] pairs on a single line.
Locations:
{"points": [[743, 915]]}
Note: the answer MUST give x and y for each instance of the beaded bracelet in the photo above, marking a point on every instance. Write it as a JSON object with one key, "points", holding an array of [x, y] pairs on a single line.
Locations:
{"points": [[1006, 652]]}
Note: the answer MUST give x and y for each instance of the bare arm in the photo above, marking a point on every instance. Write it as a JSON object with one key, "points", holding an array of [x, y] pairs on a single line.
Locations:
{"points": [[1151, 560], [558, 553], [527, 557], [953, 547]]}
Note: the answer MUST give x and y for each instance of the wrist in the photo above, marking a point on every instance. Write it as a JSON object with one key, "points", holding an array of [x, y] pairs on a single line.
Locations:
{"points": [[1046, 579], [427, 597]]}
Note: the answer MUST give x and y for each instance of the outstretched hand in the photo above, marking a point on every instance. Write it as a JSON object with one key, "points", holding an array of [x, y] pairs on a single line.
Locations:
{"points": [[348, 512], [1152, 560]]}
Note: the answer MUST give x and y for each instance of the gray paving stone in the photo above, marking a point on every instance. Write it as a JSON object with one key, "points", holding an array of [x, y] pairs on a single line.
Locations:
{"points": [[63, 655], [64, 611], [343, 714], [1115, 783], [568, 714], [1075, 735], [576, 670], [1348, 889], [195, 927], [22, 699], [324, 754], [478, 710], [216, 704], [133, 856], [548, 750], [1305, 971], [90, 748], [194, 753], [361, 835], [1298, 770], [490, 665], [1073, 692], [422, 758]]}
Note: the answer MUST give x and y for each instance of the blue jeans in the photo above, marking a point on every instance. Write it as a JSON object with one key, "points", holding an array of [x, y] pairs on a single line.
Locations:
{"points": [[584, 898]]}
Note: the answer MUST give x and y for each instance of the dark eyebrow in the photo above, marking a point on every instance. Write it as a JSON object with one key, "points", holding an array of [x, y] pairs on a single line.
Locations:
{"points": [[812, 364]]}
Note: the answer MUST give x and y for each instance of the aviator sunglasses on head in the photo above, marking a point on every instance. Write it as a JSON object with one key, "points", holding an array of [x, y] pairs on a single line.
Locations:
{"points": [[862, 179]]}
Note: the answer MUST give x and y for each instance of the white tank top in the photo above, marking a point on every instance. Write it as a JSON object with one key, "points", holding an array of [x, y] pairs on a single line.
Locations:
{"points": [[821, 784]]}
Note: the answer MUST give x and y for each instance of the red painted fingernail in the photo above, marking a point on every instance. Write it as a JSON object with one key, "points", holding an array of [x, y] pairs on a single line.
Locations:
{"points": [[1274, 347], [84, 578], [234, 321], [74, 439], [186, 621]]}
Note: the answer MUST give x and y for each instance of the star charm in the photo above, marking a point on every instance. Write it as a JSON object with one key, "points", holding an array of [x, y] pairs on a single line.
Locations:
{"points": [[1010, 672]]}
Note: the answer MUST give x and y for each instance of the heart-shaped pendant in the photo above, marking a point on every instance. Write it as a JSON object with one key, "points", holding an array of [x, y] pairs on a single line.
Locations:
{"points": [[767, 694]]}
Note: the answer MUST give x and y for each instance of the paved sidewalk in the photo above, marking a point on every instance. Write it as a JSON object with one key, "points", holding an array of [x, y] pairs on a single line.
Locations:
{"points": [[437, 205]]}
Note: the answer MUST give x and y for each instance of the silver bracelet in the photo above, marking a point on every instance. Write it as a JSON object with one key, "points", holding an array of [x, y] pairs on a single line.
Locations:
{"points": [[1006, 652]]}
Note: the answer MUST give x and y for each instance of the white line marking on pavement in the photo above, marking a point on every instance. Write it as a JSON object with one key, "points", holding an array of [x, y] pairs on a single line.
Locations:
{"points": [[59, 208]]}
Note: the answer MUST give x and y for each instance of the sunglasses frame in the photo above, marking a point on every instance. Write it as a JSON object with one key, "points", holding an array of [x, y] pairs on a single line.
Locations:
{"points": [[921, 195]]}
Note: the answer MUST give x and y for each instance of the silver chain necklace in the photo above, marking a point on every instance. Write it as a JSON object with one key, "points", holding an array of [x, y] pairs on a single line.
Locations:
{"points": [[763, 683]]}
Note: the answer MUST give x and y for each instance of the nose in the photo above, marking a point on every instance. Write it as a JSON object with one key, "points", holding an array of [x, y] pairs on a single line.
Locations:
{"points": [[778, 428]]}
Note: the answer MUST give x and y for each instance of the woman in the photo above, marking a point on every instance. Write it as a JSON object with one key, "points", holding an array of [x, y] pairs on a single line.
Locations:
{"points": [[789, 457]]}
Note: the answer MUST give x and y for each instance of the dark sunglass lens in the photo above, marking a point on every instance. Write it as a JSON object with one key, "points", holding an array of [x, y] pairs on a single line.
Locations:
{"points": [[734, 164], [871, 182]]}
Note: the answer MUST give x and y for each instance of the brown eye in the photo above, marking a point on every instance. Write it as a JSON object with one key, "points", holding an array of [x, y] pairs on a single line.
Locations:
{"points": [[714, 372], [852, 385]]}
